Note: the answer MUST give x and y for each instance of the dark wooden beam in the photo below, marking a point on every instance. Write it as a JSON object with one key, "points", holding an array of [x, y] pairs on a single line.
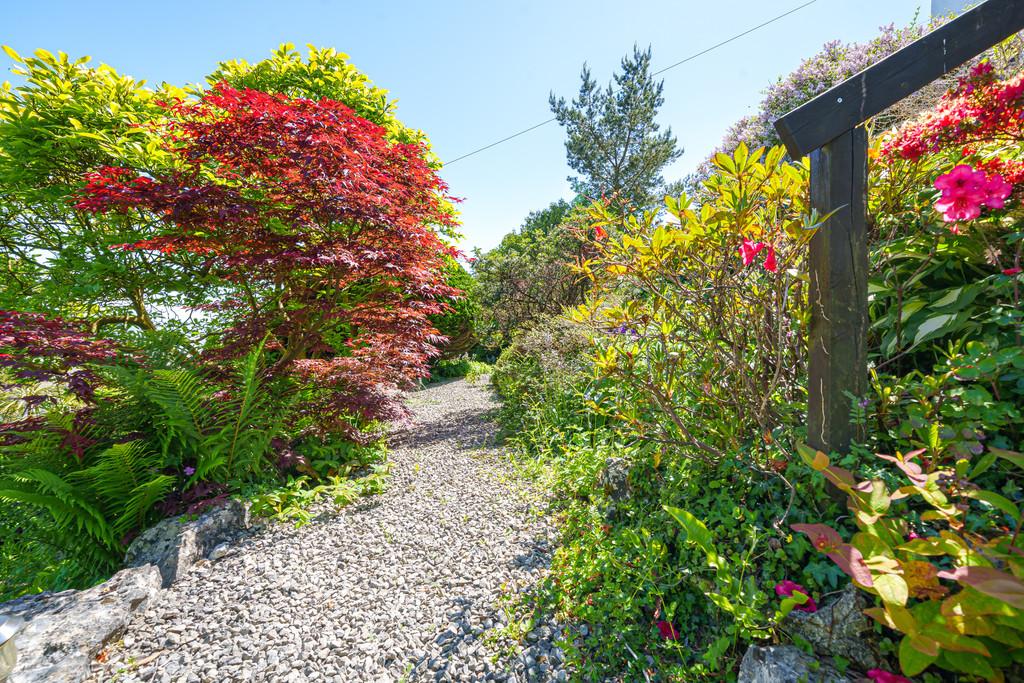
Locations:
{"points": [[885, 83], [839, 290]]}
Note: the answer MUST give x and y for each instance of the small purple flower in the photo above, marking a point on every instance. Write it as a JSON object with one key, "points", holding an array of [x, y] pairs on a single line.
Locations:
{"points": [[189, 471], [864, 402]]}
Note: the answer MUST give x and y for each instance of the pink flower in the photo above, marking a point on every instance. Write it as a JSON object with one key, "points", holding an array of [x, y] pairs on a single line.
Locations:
{"points": [[997, 190], [956, 208], [912, 535], [785, 589], [1012, 271], [748, 250], [880, 676], [961, 179], [667, 630], [963, 193]]}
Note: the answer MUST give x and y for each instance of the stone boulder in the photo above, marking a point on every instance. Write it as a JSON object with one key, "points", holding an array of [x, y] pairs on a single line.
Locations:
{"points": [[836, 629], [65, 631], [786, 664], [175, 544], [614, 479]]}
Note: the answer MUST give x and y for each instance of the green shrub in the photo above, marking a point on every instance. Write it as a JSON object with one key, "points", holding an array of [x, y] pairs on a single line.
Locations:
{"points": [[471, 369]]}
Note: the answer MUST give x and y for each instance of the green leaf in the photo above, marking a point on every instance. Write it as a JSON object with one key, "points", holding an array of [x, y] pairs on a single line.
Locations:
{"points": [[983, 465], [912, 660], [937, 326], [997, 501], [1014, 457], [892, 589], [698, 533], [788, 604], [722, 602]]}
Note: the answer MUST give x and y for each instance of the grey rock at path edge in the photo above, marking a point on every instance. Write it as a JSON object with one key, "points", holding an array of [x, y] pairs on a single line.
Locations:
{"points": [[174, 545], [786, 664], [835, 629], [65, 631], [615, 479]]}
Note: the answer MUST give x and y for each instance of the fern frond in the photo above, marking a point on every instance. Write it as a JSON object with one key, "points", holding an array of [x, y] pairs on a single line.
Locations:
{"points": [[141, 500], [185, 410], [117, 471], [68, 507]]}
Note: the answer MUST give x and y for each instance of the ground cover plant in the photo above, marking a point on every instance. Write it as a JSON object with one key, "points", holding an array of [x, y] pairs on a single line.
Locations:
{"points": [[214, 291]]}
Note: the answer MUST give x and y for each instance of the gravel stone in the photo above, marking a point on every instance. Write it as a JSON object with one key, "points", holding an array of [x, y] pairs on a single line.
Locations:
{"points": [[401, 586]]}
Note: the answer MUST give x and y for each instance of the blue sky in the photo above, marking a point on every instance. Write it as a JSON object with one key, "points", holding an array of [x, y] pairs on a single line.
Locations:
{"points": [[471, 72]]}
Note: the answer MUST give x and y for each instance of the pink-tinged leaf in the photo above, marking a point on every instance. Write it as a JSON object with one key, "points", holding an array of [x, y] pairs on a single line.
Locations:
{"points": [[911, 469], [925, 645], [842, 478], [850, 560], [991, 582], [824, 537]]}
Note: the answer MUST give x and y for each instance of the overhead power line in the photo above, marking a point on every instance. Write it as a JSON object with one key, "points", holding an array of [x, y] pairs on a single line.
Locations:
{"points": [[656, 73]]}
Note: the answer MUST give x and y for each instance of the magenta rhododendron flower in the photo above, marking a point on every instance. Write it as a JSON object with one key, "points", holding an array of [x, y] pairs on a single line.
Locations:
{"points": [[958, 208], [962, 178], [749, 251], [880, 676], [965, 191], [667, 630], [785, 589], [997, 190]]}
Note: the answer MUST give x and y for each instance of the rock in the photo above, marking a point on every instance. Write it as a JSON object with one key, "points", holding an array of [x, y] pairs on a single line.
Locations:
{"points": [[219, 552], [785, 664], [174, 544], [835, 629], [65, 631], [615, 479]]}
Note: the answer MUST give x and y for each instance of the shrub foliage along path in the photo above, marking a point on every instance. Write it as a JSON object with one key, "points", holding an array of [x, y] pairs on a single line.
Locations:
{"points": [[402, 586]]}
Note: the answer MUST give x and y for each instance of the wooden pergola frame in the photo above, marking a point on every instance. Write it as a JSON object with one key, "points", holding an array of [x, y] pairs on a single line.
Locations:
{"points": [[829, 130]]}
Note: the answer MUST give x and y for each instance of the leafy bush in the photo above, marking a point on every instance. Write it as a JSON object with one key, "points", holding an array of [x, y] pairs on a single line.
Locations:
{"points": [[695, 392], [939, 524], [458, 324], [237, 325], [679, 320], [539, 377], [471, 369], [529, 275]]}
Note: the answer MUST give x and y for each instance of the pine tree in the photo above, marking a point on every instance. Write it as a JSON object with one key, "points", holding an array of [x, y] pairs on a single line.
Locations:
{"points": [[613, 141]]}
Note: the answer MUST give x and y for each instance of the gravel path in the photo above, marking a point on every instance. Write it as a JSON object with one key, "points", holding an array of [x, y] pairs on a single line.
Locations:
{"points": [[404, 586]]}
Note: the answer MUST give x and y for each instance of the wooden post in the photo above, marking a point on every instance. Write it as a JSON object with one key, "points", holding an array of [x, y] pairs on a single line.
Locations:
{"points": [[839, 290]]}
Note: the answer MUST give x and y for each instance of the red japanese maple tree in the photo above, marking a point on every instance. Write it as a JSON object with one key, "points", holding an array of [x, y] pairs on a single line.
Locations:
{"points": [[327, 232]]}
